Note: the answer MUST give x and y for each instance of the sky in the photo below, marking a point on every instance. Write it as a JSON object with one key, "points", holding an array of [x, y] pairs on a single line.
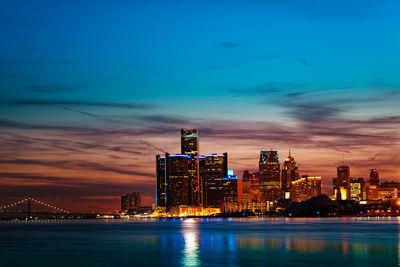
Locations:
{"points": [[91, 92]]}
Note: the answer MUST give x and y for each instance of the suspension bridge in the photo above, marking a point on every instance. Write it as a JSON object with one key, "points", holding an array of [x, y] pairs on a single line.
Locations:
{"points": [[30, 207]]}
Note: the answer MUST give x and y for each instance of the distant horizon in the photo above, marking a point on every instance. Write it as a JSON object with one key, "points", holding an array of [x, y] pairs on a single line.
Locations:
{"points": [[90, 93]]}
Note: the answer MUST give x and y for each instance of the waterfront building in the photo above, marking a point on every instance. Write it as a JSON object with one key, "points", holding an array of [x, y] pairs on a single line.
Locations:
{"points": [[374, 177], [356, 188], [305, 188], [229, 188], [372, 192], [131, 201], [290, 173], [177, 177], [343, 183], [387, 193], [190, 147], [161, 182], [269, 170], [212, 169]]}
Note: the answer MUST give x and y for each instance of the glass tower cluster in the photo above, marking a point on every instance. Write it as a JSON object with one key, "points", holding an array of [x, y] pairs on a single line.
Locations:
{"points": [[188, 179]]}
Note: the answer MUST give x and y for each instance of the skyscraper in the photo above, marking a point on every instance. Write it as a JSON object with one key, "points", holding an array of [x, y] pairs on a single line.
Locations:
{"points": [[374, 177], [213, 168], [161, 182], [269, 169], [290, 173], [190, 142], [190, 147], [343, 182], [177, 179]]}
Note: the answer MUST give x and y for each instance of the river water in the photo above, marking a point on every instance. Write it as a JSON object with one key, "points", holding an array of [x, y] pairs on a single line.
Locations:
{"points": [[203, 242]]}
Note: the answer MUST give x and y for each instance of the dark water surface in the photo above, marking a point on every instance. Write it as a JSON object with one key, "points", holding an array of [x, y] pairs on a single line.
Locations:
{"points": [[206, 242]]}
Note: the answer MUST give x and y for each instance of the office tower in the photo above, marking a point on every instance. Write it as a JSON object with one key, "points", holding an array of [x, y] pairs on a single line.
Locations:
{"points": [[343, 181], [356, 188], [290, 173], [190, 142], [229, 188], [254, 179], [131, 201], [213, 168], [269, 169], [177, 178], [161, 182], [374, 177], [306, 187], [190, 147]]}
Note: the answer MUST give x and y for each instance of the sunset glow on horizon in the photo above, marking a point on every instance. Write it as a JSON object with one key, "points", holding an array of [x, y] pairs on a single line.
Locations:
{"points": [[90, 94]]}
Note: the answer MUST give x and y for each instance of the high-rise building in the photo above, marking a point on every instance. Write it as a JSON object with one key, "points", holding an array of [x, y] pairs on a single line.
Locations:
{"points": [[229, 188], [269, 169], [177, 177], [190, 147], [161, 182], [190, 142], [131, 201], [374, 177], [356, 188], [305, 188], [212, 169], [343, 182], [290, 173]]}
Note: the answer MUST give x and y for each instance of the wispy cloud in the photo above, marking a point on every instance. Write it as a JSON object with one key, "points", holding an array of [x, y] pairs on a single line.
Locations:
{"points": [[77, 103], [304, 61]]}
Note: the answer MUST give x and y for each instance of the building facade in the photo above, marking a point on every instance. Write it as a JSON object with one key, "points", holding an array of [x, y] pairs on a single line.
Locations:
{"points": [[305, 188], [269, 170], [343, 183], [131, 201], [290, 173], [212, 169]]}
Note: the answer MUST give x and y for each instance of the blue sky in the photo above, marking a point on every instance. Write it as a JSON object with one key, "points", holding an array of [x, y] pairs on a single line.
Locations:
{"points": [[319, 75]]}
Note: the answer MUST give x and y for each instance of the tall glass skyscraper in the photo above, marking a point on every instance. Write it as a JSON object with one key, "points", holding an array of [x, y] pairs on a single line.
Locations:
{"points": [[190, 147], [213, 168], [269, 169]]}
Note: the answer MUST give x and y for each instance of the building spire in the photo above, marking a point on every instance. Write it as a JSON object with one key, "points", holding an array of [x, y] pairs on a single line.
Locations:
{"points": [[289, 154]]}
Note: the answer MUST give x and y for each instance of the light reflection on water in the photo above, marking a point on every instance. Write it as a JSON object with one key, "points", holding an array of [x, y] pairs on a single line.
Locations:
{"points": [[204, 242], [191, 251]]}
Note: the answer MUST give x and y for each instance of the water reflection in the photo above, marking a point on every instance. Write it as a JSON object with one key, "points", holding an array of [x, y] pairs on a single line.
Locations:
{"points": [[191, 251]]}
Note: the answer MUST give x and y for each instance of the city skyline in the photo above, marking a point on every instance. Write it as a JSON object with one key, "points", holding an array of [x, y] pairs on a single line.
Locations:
{"points": [[86, 103]]}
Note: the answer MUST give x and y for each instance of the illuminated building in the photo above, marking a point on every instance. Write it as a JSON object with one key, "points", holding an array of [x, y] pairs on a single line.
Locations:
{"points": [[374, 177], [372, 192], [269, 169], [290, 173], [177, 177], [212, 169], [190, 147], [161, 182], [190, 142], [245, 186], [356, 188], [255, 187], [130, 201], [387, 193], [230, 188], [305, 188], [343, 182]]}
